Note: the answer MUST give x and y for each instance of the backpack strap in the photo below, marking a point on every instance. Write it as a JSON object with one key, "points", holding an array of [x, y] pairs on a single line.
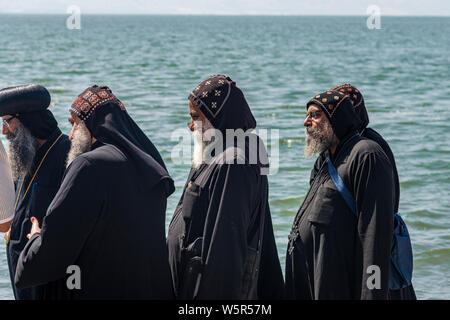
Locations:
{"points": [[345, 193]]}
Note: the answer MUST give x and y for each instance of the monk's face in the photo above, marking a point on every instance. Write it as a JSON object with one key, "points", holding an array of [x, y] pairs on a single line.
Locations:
{"points": [[80, 137], [319, 133], [9, 124], [196, 115], [75, 122], [21, 144]]}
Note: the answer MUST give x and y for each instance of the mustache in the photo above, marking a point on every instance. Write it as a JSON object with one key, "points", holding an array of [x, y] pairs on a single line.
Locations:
{"points": [[316, 133], [318, 139]]}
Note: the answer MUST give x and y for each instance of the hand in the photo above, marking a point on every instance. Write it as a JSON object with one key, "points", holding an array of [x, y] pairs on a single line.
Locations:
{"points": [[34, 228]]}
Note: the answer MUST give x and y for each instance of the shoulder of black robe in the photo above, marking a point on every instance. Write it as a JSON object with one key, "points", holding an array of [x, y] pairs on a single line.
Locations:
{"points": [[108, 121], [47, 255], [357, 100], [372, 184], [408, 292], [375, 136], [89, 215], [238, 197], [225, 230]]}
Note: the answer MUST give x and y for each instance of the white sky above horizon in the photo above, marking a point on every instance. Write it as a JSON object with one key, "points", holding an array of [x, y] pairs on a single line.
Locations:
{"points": [[231, 7]]}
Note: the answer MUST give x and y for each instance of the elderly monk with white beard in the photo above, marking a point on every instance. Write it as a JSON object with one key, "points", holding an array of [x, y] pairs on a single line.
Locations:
{"points": [[37, 154], [331, 252], [221, 241], [108, 218]]}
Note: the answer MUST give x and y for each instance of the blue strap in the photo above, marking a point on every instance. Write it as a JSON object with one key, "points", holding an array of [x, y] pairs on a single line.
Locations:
{"points": [[345, 193]]}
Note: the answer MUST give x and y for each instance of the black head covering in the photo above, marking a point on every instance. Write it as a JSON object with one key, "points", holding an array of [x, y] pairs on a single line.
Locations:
{"points": [[339, 110], [29, 103], [223, 104], [107, 120], [357, 100], [40, 123]]}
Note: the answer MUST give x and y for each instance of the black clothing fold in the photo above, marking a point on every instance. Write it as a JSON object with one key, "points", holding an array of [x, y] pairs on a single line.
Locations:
{"points": [[330, 251], [104, 223], [213, 236]]}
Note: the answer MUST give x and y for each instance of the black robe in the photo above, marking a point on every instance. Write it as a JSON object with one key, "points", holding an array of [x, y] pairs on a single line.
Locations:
{"points": [[373, 135], [330, 249], [36, 202], [213, 237], [107, 221], [407, 293]]}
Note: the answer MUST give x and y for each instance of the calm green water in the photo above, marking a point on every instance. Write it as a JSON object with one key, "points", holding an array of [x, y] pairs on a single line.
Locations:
{"points": [[153, 62]]}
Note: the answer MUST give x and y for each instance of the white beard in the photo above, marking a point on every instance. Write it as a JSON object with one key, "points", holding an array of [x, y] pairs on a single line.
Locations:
{"points": [[318, 140], [81, 143], [198, 155]]}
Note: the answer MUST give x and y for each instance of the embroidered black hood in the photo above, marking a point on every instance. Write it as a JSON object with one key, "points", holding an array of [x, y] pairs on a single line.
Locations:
{"points": [[108, 121], [223, 104], [357, 100], [339, 110]]}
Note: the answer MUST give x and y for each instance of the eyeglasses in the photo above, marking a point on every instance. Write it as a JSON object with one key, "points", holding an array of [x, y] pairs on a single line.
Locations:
{"points": [[7, 121], [314, 114]]}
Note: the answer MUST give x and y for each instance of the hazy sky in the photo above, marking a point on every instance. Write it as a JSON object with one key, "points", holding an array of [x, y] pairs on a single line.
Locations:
{"points": [[289, 7]]}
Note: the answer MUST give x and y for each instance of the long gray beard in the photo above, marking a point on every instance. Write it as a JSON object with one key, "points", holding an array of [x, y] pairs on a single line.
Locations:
{"points": [[198, 155], [22, 147], [81, 143], [319, 140]]}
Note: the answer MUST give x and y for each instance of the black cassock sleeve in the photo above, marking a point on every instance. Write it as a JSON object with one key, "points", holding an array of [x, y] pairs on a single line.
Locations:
{"points": [[65, 228], [225, 234], [374, 190]]}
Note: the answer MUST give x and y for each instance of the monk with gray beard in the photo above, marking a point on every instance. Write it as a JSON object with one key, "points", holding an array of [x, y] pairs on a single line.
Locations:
{"points": [[108, 218], [335, 250], [37, 153]]}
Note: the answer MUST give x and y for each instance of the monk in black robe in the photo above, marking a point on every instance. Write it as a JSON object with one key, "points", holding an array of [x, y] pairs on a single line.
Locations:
{"points": [[38, 152], [108, 218], [221, 241], [357, 100], [332, 252]]}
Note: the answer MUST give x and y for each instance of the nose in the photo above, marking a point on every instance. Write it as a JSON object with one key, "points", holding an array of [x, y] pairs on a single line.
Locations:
{"points": [[71, 133], [307, 121], [191, 125], [5, 130]]}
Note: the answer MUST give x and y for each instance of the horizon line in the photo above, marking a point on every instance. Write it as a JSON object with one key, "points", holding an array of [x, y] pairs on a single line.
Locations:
{"points": [[227, 14]]}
